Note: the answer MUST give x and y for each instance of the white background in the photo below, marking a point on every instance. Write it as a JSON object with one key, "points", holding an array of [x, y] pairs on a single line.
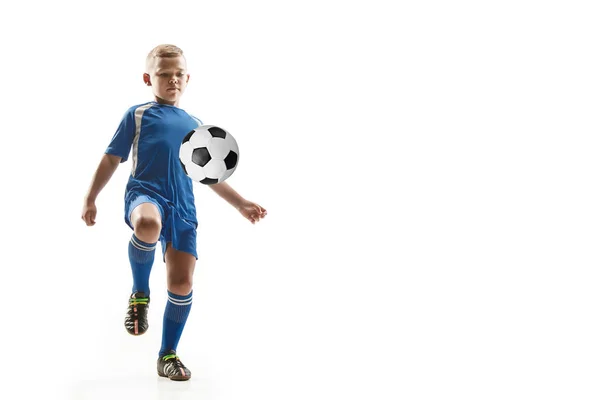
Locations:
{"points": [[430, 170]]}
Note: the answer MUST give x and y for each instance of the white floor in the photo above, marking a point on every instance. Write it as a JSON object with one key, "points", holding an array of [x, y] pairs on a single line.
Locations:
{"points": [[322, 313], [421, 307]]}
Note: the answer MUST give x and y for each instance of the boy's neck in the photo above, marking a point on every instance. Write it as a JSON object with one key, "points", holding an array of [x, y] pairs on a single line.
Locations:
{"points": [[168, 103]]}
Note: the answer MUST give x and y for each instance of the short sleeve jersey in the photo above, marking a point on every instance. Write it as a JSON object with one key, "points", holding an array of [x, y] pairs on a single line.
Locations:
{"points": [[153, 133]]}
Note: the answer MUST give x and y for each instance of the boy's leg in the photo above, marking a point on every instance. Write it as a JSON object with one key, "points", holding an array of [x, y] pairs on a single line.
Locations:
{"points": [[145, 219], [180, 270]]}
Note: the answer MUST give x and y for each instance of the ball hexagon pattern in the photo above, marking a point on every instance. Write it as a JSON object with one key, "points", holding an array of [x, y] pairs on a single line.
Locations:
{"points": [[209, 154]]}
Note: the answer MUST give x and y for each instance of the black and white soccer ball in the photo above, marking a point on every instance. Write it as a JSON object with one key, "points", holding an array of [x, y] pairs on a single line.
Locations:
{"points": [[209, 154]]}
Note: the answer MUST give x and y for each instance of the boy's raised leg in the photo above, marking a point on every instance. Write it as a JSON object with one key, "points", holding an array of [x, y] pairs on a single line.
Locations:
{"points": [[146, 222]]}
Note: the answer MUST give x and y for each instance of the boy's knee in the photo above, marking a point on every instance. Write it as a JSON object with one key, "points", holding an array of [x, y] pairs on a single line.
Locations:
{"points": [[180, 285], [148, 227]]}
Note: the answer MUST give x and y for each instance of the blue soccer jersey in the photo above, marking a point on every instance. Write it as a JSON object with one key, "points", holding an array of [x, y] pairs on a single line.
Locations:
{"points": [[153, 132]]}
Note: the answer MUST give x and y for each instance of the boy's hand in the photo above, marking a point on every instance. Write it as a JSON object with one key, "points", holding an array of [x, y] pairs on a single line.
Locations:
{"points": [[252, 211], [88, 215]]}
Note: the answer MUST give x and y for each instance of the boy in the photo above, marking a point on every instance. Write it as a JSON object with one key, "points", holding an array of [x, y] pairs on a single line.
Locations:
{"points": [[159, 200]]}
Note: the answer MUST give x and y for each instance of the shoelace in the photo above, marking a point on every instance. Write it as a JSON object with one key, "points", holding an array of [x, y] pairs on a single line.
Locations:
{"points": [[135, 306], [174, 359], [141, 300]]}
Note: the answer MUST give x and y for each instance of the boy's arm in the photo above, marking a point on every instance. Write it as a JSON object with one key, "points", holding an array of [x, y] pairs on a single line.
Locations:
{"points": [[226, 192], [251, 211], [108, 165]]}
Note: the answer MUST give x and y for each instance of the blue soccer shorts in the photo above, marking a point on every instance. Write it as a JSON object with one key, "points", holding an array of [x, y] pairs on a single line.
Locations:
{"points": [[180, 232]]}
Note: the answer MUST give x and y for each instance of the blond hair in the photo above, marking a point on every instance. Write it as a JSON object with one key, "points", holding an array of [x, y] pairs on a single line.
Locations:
{"points": [[162, 50]]}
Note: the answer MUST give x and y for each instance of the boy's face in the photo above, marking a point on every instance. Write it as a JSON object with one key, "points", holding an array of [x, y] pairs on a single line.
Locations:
{"points": [[168, 78]]}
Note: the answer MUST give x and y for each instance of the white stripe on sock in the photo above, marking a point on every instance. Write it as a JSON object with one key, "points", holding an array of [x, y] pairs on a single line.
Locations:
{"points": [[140, 246], [182, 302]]}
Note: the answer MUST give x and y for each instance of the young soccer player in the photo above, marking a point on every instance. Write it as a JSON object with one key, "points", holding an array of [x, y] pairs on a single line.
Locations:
{"points": [[159, 200]]}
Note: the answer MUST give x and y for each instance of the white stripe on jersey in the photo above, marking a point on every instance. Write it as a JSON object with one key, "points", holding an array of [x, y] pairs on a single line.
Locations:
{"points": [[136, 138]]}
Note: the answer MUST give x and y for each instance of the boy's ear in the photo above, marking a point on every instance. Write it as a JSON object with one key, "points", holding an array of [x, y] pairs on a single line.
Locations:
{"points": [[147, 79], [188, 78]]}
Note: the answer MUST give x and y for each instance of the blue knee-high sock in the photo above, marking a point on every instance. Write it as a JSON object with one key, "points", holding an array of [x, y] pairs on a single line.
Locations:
{"points": [[176, 313], [141, 257]]}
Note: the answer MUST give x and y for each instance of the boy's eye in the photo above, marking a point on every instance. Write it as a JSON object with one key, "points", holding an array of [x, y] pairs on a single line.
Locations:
{"points": [[165, 74]]}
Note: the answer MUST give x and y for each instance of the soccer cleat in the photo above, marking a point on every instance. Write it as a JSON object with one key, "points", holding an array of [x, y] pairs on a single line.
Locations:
{"points": [[136, 319], [170, 366]]}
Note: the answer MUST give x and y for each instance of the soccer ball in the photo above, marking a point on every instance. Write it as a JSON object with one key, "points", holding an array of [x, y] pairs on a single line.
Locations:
{"points": [[209, 154]]}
